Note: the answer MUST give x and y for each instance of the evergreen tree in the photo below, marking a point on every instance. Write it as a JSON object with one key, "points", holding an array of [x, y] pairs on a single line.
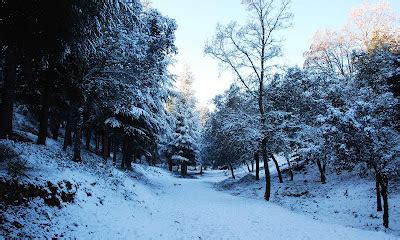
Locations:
{"points": [[184, 148]]}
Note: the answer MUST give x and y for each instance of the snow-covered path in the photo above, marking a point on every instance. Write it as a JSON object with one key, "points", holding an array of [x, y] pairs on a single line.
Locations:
{"points": [[192, 209]]}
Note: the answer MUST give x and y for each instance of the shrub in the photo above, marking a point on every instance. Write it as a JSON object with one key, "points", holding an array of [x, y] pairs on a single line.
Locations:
{"points": [[7, 151], [16, 166]]}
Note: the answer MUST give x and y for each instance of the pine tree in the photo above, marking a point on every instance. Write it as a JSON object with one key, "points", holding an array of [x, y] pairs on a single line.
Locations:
{"points": [[184, 147]]}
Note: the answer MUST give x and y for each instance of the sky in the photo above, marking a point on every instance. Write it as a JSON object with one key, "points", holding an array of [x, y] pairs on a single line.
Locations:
{"points": [[197, 20]]}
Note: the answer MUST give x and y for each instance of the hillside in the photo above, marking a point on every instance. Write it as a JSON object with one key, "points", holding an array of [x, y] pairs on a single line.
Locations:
{"points": [[100, 198], [345, 199]]}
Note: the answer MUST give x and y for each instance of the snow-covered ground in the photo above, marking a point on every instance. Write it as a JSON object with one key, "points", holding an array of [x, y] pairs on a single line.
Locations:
{"points": [[150, 203], [345, 199]]}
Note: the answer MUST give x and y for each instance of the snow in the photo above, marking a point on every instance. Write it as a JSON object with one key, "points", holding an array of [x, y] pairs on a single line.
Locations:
{"points": [[202, 213], [150, 203], [113, 122], [345, 199], [178, 158]]}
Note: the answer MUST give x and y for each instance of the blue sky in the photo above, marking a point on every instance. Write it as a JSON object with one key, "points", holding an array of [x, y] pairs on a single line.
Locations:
{"points": [[197, 20]]}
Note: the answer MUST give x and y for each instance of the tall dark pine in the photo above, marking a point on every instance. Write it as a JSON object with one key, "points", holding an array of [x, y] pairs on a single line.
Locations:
{"points": [[8, 93], [44, 111], [257, 160], [13, 29], [78, 136]]}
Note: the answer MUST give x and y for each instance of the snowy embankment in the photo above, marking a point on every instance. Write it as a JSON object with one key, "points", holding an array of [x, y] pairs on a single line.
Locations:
{"points": [[345, 199], [105, 202], [146, 203]]}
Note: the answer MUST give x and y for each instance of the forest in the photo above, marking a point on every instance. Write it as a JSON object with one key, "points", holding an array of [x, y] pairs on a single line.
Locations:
{"points": [[90, 107]]}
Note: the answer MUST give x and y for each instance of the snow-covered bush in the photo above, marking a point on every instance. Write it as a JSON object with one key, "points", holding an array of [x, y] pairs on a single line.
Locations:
{"points": [[7, 151], [231, 134], [16, 166]]}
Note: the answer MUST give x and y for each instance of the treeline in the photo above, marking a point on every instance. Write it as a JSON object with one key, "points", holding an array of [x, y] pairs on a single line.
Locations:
{"points": [[341, 124], [340, 111], [93, 72]]}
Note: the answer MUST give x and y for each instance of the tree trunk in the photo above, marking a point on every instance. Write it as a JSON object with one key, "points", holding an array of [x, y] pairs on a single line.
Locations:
{"points": [[321, 169], [97, 141], [231, 168], [102, 144], [68, 130], [78, 136], [378, 193], [129, 155], [44, 111], [384, 191], [289, 166], [115, 149], [277, 168], [88, 137], [128, 158], [184, 168], [153, 158], [263, 118], [201, 170], [43, 123], [170, 165], [267, 194], [257, 159], [55, 126], [124, 147], [8, 93], [135, 155], [105, 146], [248, 167], [109, 147]]}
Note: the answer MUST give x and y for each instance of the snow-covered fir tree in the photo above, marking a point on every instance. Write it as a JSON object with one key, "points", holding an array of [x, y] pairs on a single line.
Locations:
{"points": [[183, 146]]}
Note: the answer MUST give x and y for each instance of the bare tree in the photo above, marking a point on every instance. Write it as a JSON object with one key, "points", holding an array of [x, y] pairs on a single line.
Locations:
{"points": [[147, 4], [185, 84], [248, 51], [369, 26], [370, 19], [331, 52]]}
